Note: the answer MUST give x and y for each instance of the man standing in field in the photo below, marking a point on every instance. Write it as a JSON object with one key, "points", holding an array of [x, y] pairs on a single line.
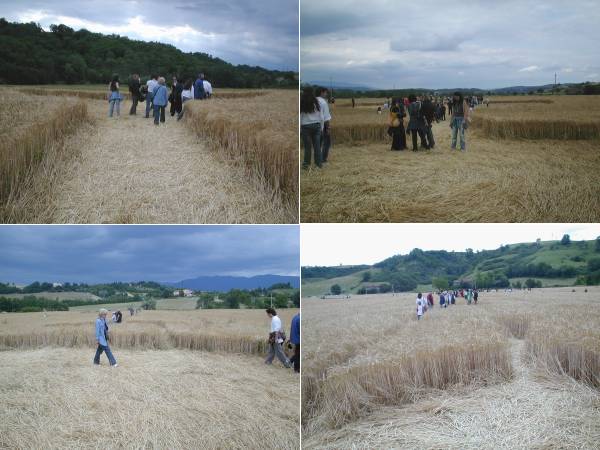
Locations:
{"points": [[134, 90], [151, 85], [322, 94], [276, 338], [295, 340], [199, 93], [102, 339]]}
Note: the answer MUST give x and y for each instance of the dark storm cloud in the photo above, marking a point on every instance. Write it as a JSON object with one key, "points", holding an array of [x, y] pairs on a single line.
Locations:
{"points": [[430, 43], [160, 253], [260, 32]]}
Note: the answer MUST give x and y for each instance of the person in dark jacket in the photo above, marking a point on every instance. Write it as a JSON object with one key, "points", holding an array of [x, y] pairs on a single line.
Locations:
{"points": [[416, 123], [396, 130], [199, 93], [134, 90], [295, 341], [175, 97], [428, 110]]}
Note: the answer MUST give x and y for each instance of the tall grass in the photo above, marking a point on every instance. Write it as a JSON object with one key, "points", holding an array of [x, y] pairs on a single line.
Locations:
{"points": [[37, 146], [517, 325], [579, 359], [149, 338], [260, 133], [537, 129], [353, 134], [343, 397], [86, 94]]}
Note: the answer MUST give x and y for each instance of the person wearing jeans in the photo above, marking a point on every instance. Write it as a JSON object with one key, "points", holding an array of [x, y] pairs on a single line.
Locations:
{"points": [[102, 339], [312, 122], [276, 339], [114, 98], [322, 95], [459, 120], [151, 85], [295, 341], [160, 100]]}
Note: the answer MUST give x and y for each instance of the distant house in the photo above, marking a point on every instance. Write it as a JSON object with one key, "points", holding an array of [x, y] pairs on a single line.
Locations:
{"points": [[57, 285], [183, 293]]}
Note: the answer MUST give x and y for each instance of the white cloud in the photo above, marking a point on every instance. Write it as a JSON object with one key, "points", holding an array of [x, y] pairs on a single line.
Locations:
{"points": [[333, 244], [529, 69]]}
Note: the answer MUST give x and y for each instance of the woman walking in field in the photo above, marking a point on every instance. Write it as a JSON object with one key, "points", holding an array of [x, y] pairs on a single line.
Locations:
{"points": [[420, 306], [114, 96], [396, 129], [160, 100], [459, 120], [102, 339], [276, 339], [312, 121]]}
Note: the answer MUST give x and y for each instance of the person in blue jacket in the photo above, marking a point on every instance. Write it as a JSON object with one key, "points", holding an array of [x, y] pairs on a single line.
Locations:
{"points": [[295, 340], [102, 339], [199, 93], [160, 99]]}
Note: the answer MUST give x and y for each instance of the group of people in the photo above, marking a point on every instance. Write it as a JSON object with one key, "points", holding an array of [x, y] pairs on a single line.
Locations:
{"points": [[446, 298], [422, 112], [276, 339], [156, 95]]}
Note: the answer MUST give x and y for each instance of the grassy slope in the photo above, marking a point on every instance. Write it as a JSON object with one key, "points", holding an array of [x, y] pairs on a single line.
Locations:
{"points": [[349, 283], [552, 253], [57, 295]]}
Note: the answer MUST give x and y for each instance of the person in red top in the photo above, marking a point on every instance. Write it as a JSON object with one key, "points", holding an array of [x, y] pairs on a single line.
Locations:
{"points": [[430, 299]]}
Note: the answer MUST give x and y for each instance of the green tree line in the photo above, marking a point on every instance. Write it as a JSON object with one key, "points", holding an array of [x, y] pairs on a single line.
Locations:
{"points": [[30, 55]]}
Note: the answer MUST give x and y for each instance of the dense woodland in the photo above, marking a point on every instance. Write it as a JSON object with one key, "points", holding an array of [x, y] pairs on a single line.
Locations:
{"points": [[562, 259], [30, 55]]}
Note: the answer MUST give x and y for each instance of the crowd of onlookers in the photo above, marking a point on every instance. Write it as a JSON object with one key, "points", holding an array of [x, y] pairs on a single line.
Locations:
{"points": [[446, 298], [421, 112], [155, 93]]}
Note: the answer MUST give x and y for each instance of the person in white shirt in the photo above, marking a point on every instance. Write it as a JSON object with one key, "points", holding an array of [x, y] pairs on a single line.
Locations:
{"points": [[322, 95], [151, 84], [186, 95], [311, 126], [420, 306], [207, 88], [276, 339]]}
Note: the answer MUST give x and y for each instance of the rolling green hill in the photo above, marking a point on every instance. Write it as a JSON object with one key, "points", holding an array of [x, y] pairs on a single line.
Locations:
{"points": [[552, 263]]}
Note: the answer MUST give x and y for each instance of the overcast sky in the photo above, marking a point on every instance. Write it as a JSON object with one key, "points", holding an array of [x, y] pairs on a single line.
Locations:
{"points": [[348, 244], [446, 44], [93, 254], [258, 32]]}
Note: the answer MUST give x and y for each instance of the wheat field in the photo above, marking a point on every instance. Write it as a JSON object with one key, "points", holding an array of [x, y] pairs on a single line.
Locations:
{"points": [[76, 165], [517, 370], [185, 379], [502, 177]]}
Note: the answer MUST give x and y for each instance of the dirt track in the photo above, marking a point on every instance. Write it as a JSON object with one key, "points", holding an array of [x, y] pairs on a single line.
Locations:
{"points": [[130, 171]]}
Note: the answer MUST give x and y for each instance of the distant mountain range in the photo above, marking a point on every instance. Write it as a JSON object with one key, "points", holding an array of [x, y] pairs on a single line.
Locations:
{"points": [[225, 283], [443, 91]]}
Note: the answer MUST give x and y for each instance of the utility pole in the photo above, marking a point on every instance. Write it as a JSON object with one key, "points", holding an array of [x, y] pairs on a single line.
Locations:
{"points": [[554, 90], [331, 86]]}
